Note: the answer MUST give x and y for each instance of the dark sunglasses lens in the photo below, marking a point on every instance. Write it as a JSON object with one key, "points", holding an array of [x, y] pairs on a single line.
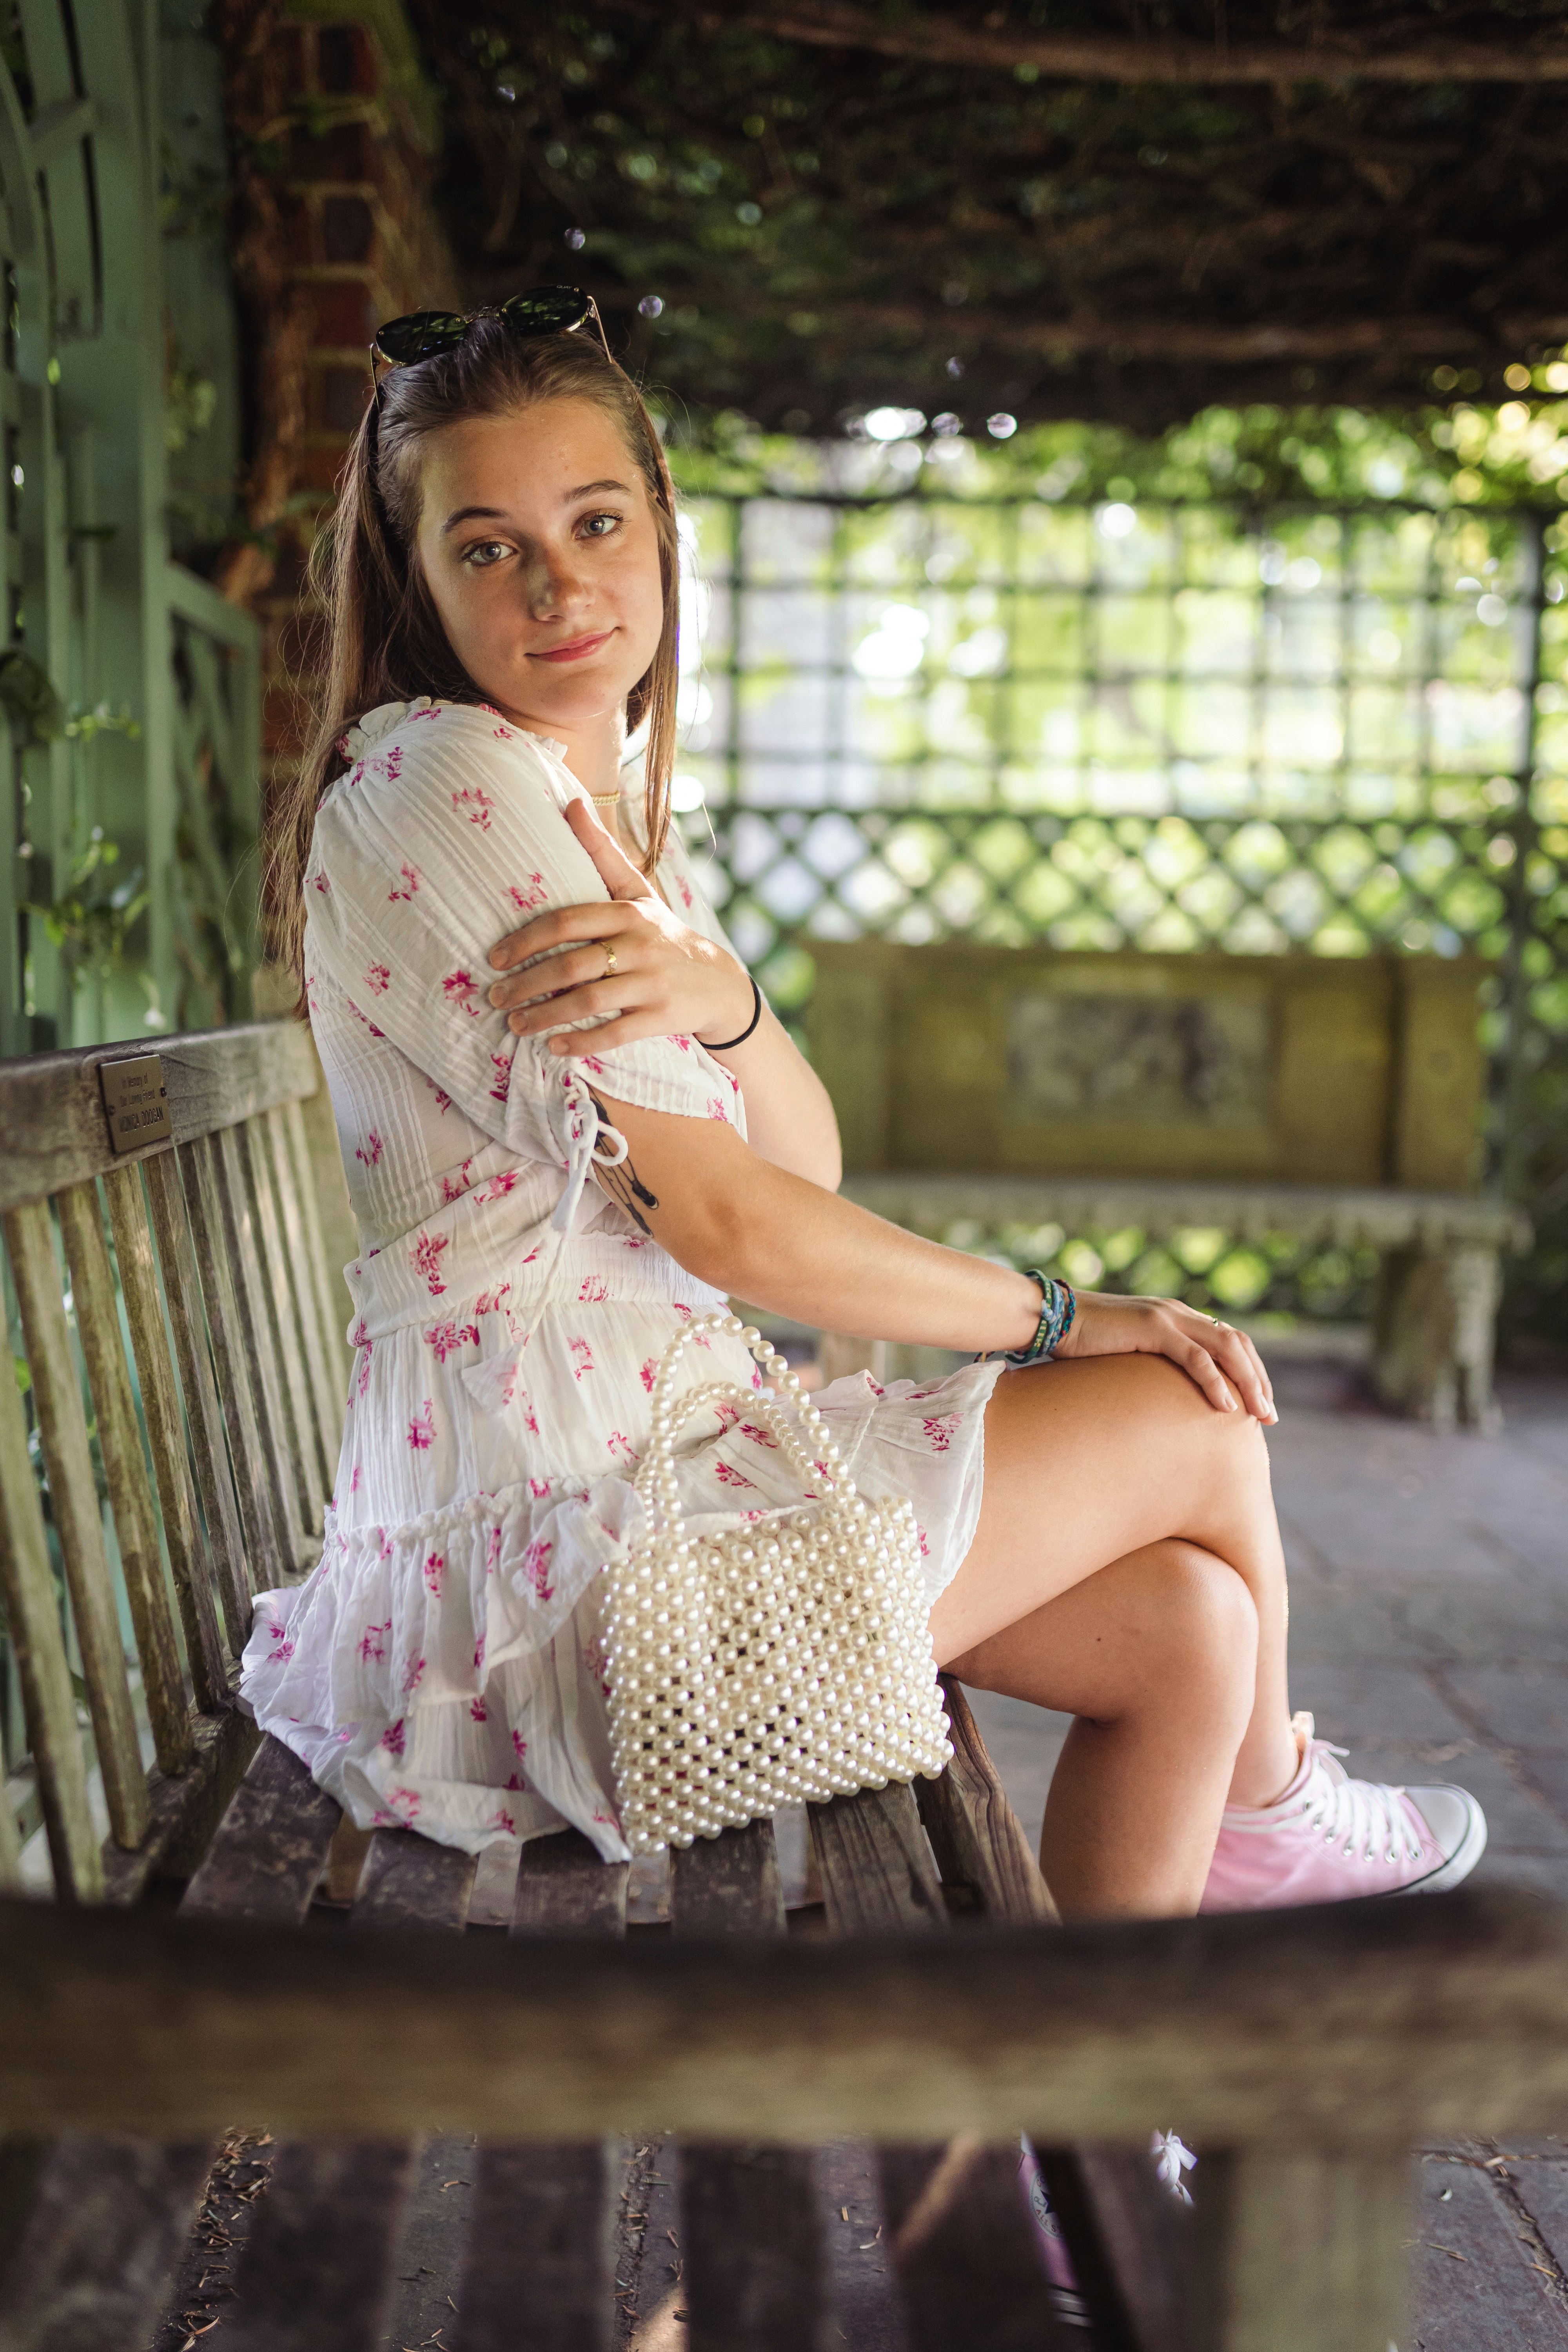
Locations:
{"points": [[546, 310], [423, 332]]}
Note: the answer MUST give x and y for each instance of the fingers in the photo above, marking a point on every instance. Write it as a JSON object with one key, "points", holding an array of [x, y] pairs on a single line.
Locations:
{"points": [[617, 872], [559, 929], [626, 1030], [1201, 1367], [1240, 1360], [573, 967], [597, 996]]}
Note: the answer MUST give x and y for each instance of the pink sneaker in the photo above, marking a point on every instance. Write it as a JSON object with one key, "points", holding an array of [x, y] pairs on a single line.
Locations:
{"points": [[1329, 1838]]}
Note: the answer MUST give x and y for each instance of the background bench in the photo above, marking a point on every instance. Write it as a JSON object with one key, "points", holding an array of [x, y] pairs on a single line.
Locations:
{"points": [[938, 2012], [1328, 1100]]}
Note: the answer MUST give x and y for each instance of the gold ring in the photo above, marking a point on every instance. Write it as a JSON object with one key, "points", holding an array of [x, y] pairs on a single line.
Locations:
{"points": [[609, 963]]}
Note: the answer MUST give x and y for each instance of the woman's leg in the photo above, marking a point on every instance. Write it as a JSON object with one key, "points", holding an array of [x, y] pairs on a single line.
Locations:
{"points": [[1105, 1480]]}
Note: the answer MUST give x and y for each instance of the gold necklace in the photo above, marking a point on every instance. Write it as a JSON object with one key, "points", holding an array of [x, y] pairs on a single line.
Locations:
{"points": [[605, 799]]}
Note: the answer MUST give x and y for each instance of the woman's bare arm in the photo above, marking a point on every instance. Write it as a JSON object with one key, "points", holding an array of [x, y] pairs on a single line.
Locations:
{"points": [[759, 1233]]}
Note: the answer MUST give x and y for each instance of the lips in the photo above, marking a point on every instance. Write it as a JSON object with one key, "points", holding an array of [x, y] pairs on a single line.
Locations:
{"points": [[577, 649]]}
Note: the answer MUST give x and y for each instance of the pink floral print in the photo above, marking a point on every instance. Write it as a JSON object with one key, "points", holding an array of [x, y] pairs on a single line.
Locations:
{"points": [[758, 1435], [425, 1259], [378, 980], [594, 1292], [371, 1647], [450, 1192], [582, 1357], [460, 988], [370, 1149], [534, 894], [727, 1475], [447, 1338], [536, 1568], [478, 1711], [648, 1373], [421, 1428], [939, 1428], [412, 878], [474, 802], [434, 1573], [394, 1739], [490, 1302]]}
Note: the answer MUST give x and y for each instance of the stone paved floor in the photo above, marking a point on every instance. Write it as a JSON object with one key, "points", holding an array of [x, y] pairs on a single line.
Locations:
{"points": [[1429, 1636]]}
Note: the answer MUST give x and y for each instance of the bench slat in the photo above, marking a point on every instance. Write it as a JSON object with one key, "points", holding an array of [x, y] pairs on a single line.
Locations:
{"points": [[329, 1299], [37, 1645], [756, 2274], [185, 1810], [73, 1505], [272, 1136], [255, 1341], [317, 2272], [967, 2265], [125, 1466], [98, 2252], [977, 1838], [51, 1106], [287, 1362], [214, 1479], [409, 1881], [540, 2256], [877, 1868], [266, 1551], [958, 2237], [267, 1854]]}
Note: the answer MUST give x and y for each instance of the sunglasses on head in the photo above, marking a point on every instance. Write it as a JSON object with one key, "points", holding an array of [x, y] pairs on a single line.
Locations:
{"points": [[538, 310]]}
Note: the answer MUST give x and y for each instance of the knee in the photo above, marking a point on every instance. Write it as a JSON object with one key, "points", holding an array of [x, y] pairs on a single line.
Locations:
{"points": [[1209, 1620]]}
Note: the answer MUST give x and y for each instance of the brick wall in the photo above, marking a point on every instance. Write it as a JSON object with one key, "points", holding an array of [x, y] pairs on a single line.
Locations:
{"points": [[336, 142]]}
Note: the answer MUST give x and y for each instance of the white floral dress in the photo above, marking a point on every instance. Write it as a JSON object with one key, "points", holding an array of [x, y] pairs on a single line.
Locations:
{"points": [[443, 1665]]}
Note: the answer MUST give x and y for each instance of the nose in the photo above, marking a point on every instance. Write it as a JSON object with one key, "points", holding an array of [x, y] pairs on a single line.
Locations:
{"points": [[553, 585]]}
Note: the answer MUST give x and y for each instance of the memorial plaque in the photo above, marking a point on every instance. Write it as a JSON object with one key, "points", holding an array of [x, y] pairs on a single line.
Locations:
{"points": [[1145, 1058], [136, 1102]]}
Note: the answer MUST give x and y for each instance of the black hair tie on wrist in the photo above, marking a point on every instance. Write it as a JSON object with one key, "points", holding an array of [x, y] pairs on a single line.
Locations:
{"points": [[731, 1043]]}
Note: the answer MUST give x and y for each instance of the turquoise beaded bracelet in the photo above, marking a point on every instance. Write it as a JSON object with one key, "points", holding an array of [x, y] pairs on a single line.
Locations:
{"points": [[1058, 1308]]}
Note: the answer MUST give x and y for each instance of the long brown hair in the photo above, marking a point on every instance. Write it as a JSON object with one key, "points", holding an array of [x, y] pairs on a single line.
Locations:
{"points": [[384, 642]]}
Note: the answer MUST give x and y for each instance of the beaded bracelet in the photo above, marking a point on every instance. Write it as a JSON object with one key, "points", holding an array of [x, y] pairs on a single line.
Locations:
{"points": [[1058, 1308]]}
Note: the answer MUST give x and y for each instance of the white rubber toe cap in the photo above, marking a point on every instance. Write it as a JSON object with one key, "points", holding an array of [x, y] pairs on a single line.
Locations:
{"points": [[1459, 1830]]}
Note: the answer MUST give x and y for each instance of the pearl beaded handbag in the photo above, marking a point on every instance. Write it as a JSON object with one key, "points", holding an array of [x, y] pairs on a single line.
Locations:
{"points": [[770, 1662]]}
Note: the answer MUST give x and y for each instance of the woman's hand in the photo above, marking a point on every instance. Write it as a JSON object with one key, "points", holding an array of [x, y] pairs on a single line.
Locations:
{"points": [[1223, 1362], [669, 979]]}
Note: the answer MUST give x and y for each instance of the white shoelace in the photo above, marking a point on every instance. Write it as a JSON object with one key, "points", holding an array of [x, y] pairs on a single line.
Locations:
{"points": [[1361, 1817]]}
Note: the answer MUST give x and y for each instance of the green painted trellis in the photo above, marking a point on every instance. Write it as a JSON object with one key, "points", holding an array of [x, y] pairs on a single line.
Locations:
{"points": [[1293, 730], [131, 690]]}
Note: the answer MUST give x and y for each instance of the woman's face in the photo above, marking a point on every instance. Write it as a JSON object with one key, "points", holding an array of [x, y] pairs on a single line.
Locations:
{"points": [[538, 542]]}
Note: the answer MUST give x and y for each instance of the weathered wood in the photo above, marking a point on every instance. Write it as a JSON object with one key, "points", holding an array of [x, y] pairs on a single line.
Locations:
{"points": [[254, 1338], [977, 1838], [542, 2243], [331, 1298], [267, 1857], [10, 1841], [214, 1480], [98, 2250], [317, 2272], [325, 1404], [285, 1357], [73, 1505], [189, 1561], [1309, 2249], [51, 1107], [409, 1881], [877, 1868], [186, 1812], [756, 2271], [961, 2244], [1143, 2269], [125, 1466], [37, 1645], [1370, 2023], [265, 1553], [564, 1889], [728, 1886]]}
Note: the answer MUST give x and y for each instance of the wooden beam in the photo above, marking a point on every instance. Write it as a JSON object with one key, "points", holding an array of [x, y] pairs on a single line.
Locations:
{"points": [[932, 37], [1370, 2024], [1175, 340]]}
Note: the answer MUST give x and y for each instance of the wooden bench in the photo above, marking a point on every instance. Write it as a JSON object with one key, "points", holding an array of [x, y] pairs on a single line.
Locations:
{"points": [[1333, 1101], [175, 1989]]}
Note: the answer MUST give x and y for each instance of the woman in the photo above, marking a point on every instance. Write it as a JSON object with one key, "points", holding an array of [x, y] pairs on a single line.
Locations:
{"points": [[536, 1219]]}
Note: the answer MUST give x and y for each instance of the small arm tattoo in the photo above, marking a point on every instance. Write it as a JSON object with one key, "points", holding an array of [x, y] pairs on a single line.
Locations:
{"points": [[621, 1179]]}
